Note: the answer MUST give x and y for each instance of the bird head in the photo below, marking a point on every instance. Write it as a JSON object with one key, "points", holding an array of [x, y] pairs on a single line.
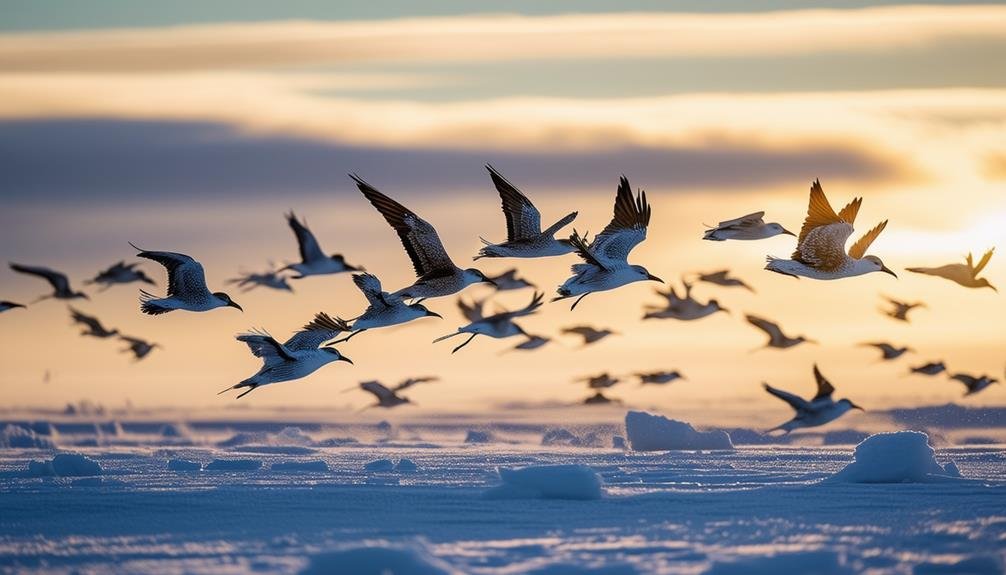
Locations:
{"points": [[336, 355], [717, 307], [777, 229], [342, 260], [804, 339], [425, 310], [475, 276], [644, 274], [878, 266], [849, 404], [227, 300], [982, 282]]}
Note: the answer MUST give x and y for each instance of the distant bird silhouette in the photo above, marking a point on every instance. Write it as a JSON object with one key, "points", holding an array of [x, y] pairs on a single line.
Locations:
{"points": [[407, 383], [60, 284], [721, 278], [776, 338], [383, 309], [589, 334], [297, 357], [819, 410], [659, 377], [525, 238], [508, 280], [900, 309], [684, 308], [388, 397], [600, 399], [186, 286], [499, 325], [94, 327], [436, 274], [9, 305], [606, 265], [749, 227], [140, 348], [820, 252], [931, 368], [888, 351], [270, 279], [963, 274], [972, 383], [313, 261], [601, 381], [120, 273], [531, 342]]}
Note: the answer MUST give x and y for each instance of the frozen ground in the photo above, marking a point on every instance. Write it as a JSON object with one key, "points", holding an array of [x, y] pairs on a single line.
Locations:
{"points": [[312, 499]]}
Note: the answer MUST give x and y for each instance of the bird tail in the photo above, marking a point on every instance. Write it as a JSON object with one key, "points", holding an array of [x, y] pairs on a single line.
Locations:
{"points": [[149, 305], [710, 234]]}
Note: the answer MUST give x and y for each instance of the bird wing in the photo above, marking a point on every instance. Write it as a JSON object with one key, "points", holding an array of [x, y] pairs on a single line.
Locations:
{"points": [[414, 381], [821, 243], [765, 325], [308, 244], [473, 311], [715, 276], [59, 281], [90, 321], [743, 221], [377, 389], [509, 275], [185, 275], [419, 238], [824, 387], [796, 402], [627, 227], [371, 288], [523, 220], [858, 249], [265, 346], [585, 251], [536, 302], [982, 262], [316, 332], [583, 330]]}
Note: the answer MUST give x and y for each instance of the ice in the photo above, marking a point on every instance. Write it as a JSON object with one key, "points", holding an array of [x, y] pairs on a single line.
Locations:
{"points": [[574, 569], [568, 481], [984, 565], [896, 457], [184, 465], [316, 466], [17, 437], [406, 466], [561, 436], [175, 430], [477, 436], [380, 465], [234, 465], [816, 562], [382, 559], [648, 432], [65, 465], [288, 436]]}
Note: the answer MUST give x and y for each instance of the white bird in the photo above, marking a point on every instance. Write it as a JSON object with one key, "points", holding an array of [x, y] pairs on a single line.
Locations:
{"points": [[271, 279], [140, 348], [120, 273], [659, 377], [525, 238], [383, 309], [819, 410], [972, 383], [685, 308], [436, 274], [60, 283], [965, 274], [313, 261], [776, 338], [606, 265], [589, 334], [931, 368], [508, 280], [186, 286], [93, 325], [297, 357], [901, 308], [749, 227], [9, 305], [499, 325], [820, 251], [888, 351]]}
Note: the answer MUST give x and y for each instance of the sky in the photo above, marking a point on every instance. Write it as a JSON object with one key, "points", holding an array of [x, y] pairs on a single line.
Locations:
{"points": [[193, 127]]}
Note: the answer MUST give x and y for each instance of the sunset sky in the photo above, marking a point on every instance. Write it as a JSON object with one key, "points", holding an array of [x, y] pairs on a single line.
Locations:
{"points": [[193, 128]]}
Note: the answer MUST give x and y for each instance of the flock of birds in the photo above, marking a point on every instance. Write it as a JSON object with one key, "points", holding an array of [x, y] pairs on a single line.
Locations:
{"points": [[820, 254]]}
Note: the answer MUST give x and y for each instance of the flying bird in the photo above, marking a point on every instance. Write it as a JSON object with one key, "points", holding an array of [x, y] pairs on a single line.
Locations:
{"points": [[659, 377], [722, 278], [297, 357], [140, 348], [819, 410], [60, 284], [407, 383], [820, 252], [606, 265], [8, 305], [589, 334], [776, 338], [888, 351], [931, 368], [499, 325], [120, 273], [684, 308], [186, 286], [508, 280], [313, 261], [386, 397], [749, 227], [436, 274], [531, 342], [972, 383], [600, 399], [602, 381], [271, 279], [525, 238], [383, 309], [965, 274], [899, 309], [92, 325]]}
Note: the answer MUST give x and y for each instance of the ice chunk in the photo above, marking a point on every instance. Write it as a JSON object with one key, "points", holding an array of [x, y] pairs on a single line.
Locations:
{"points": [[65, 465], [379, 559], [316, 466], [560, 436], [477, 436], [898, 457], [406, 466], [380, 465], [548, 482], [16, 437], [175, 430], [648, 432], [618, 442], [234, 465], [184, 465]]}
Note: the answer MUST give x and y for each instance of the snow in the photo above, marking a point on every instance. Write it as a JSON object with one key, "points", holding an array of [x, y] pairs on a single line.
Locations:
{"points": [[173, 430], [184, 465], [897, 457], [406, 466], [234, 465], [816, 562], [477, 436], [648, 432], [380, 465], [17, 437], [561, 436], [315, 466], [65, 465], [548, 482], [381, 559]]}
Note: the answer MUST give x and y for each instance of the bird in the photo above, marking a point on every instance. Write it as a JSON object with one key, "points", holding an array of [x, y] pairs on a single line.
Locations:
{"points": [[600, 399], [409, 382], [601, 381], [972, 383], [931, 368], [186, 286], [776, 338], [531, 342], [436, 274], [499, 325], [605, 259], [965, 274], [749, 227], [140, 348], [313, 261], [9, 305], [120, 273], [525, 238], [820, 252], [383, 309], [386, 397], [900, 308], [270, 279], [659, 377], [508, 280], [94, 327], [297, 357], [819, 410], [589, 334], [887, 350], [721, 278], [681, 308], [60, 283]]}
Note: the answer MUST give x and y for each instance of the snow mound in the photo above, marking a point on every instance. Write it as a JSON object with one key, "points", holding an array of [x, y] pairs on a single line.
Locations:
{"points": [[234, 465], [16, 437], [618, 442], [43, 428], [288, 436], [816, 562], [476, 436], [184, 465], [337, 442], [648, 432], [380, 465], [898, 457], [380, 559], [316, 466], [65, 465], [548, 482], [565, 437], [978, 565], [406, 466], [175, 430]]}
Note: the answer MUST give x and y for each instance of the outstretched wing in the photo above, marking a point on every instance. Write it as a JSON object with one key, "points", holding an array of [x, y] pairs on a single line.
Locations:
{"points": [[582, 330], [371, 288], [523, 220], [626, 229], [414, 381], [822, 238], [265, 346], [419, 238], [981, 263], [715, 277], [765, 325], [473, 311], [529, 309], [742, 222], [794, 401], [59, 281], [185, 275], [84, 319], [382, 393], [824, 387], [585, 251], [316, 332], [308, 244], [858, 249]]}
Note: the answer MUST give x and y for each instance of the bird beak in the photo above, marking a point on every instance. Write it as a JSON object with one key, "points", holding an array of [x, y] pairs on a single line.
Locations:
{"points": [[788, 233], [652, 277], [888, 270], [345, 359], [235, 304], [854, 406], [433, 314]]}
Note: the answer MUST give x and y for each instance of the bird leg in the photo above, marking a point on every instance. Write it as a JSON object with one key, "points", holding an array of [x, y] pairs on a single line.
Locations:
{"points": [[348, 337], [467, 341], [578, 300]]}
